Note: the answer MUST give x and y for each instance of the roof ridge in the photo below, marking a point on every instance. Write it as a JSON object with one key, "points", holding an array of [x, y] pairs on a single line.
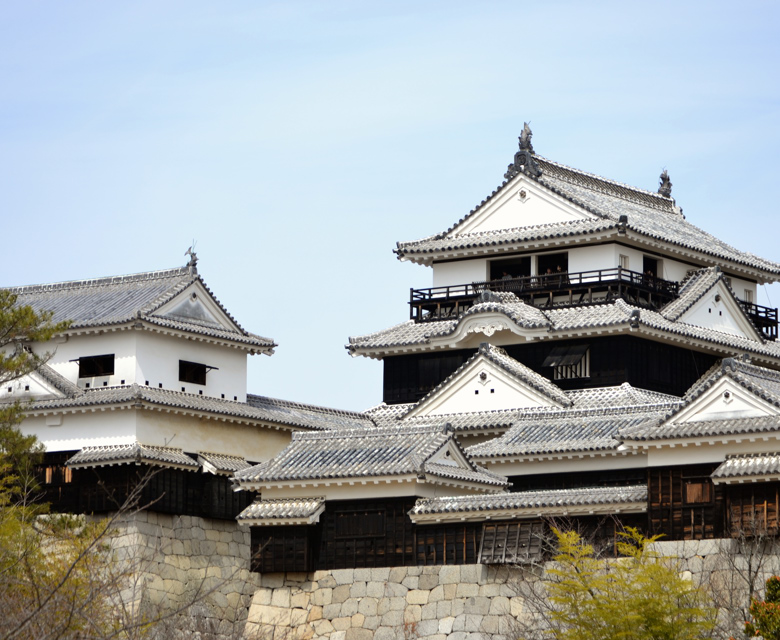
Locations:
{"points": [[99, 282], [310, 407], [370, 432], [622, 186]]}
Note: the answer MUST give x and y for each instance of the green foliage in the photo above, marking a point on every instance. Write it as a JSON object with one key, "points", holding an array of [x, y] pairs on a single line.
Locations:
{"points": [[766, 613], [640, 596]]}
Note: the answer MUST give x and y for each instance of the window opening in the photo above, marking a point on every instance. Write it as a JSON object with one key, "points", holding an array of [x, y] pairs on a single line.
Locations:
{"points": [[93, 366], [650, 266], [569, 362], [552, 263], [193, 372], [623, 261], [514, 268], [748, 295]]}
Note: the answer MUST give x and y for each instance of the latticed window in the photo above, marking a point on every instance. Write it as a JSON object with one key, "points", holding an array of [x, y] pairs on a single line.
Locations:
{"points": [[511, 542]]}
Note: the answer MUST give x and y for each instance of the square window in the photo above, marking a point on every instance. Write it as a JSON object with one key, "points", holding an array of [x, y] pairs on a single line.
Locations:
{"points": [[192, 372], [93, 366]]}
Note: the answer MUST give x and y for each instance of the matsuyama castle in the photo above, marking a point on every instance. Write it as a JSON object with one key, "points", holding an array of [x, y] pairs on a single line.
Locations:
{"points": [[584, 354]]}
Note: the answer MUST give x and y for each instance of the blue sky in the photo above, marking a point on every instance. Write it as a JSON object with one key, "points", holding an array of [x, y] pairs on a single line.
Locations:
{"points": [[296, 142]]}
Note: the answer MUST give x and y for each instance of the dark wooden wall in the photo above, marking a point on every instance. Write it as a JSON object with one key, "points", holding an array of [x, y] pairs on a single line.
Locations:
{"points": [[105, 489], [684, 504], [614, 360]]}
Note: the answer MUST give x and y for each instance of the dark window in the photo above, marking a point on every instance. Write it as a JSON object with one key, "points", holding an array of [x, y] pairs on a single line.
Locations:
{"points": [[93, 366], [650, 266], [513, 268], [698, 491], [193, 372], [552, 263], [360, 524]]}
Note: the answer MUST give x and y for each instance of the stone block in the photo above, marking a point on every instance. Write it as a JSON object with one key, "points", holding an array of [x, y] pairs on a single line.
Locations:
{"points": [[457, 635], [417, 596], [340, 594], [322, 627], [385, 633], [359, 634], [490, 624], [478, 604], [427, 628], [437, 593], [315, 613], [368, 606], [357, 620], [298, 617], [393, 590], [341, 624], [499, 606], [358, 589], [413, 571], [397, 574], [266, 614], [457, 606], [362, 575], [473, 622], [375, 589], [262, 596], [516, 606], [272, 580], [281, 597], [330, 611], [397, 603], [322, 597], [300, 600], [476, 573], [412, 614], [467, 590], [443, 609], [459, 624], [428, 581], [327, 582], [371, 622], [350, 607], [343, 576], [337, 635], [449, 575], [489, 590], [475, 635], [429, 611], [302, 632], [411, 582], [445, 625], [381, 574], [393, 619]]}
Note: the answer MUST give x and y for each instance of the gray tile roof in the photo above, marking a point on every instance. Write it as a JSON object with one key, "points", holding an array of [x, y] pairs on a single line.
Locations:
{"points": [[530, 502], [361, 453], [118, 300], [270, 512], [256, 408], [693, 289], [307, 415], [567, 431], [59, 382], [649, 214], [517, 370], [748, 466], [132, 454], [615, 315], [671, 430], [222, 463], [623, 395]]}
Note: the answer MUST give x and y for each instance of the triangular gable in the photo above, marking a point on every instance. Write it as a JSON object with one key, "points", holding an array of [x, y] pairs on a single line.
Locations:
{"points": [[726, 399], [42, 384], [196, 304], [719, 310], [523, 202], [451, 455], [482, 384]]}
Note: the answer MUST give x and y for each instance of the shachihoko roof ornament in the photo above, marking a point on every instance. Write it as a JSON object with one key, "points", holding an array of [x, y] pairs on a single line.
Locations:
{"points": [[524, 160], [665, 185]]}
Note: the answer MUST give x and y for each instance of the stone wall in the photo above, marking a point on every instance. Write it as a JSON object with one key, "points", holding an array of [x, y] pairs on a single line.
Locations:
{"points": [[176, 560], [467, 602]]}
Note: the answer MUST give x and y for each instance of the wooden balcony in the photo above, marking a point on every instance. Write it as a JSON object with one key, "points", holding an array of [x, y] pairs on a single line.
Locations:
{"points": [[765, 318], [547, 291]]}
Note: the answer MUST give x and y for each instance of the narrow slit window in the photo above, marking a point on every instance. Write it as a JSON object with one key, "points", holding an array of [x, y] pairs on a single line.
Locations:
{"points": [[94, 366]]}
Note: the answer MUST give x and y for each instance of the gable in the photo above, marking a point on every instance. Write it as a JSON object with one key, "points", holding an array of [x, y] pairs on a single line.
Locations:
{"points": [[718, 310], [725, 400], [522, 203], [195, 304], [31, 386], [451, 456], [481, 386]]}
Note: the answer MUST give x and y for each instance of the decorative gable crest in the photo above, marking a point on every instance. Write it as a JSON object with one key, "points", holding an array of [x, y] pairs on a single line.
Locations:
{"points": [[524, 160]]}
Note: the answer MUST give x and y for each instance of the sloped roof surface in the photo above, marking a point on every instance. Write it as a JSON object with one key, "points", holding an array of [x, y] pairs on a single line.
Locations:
{"points": [[284, 509], [59, 382], [119, 299], [130, 454], [222, 462], [763, 464], [566, 319], [764, 383], [359, 453], [530, 500], [256, 408], [649, 214], [567, 431]]}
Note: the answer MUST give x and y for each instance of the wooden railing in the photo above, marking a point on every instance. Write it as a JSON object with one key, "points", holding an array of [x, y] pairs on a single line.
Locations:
{"points": [[547, 290], [765, 318]]}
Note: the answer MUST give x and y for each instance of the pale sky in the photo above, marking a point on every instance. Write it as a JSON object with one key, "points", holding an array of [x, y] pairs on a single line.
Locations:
{"points": [[297, 142]]}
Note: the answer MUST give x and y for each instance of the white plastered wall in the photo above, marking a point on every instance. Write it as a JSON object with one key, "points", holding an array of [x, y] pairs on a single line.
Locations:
{"points": [[121, 343], [158, 362], [446, 274]]}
